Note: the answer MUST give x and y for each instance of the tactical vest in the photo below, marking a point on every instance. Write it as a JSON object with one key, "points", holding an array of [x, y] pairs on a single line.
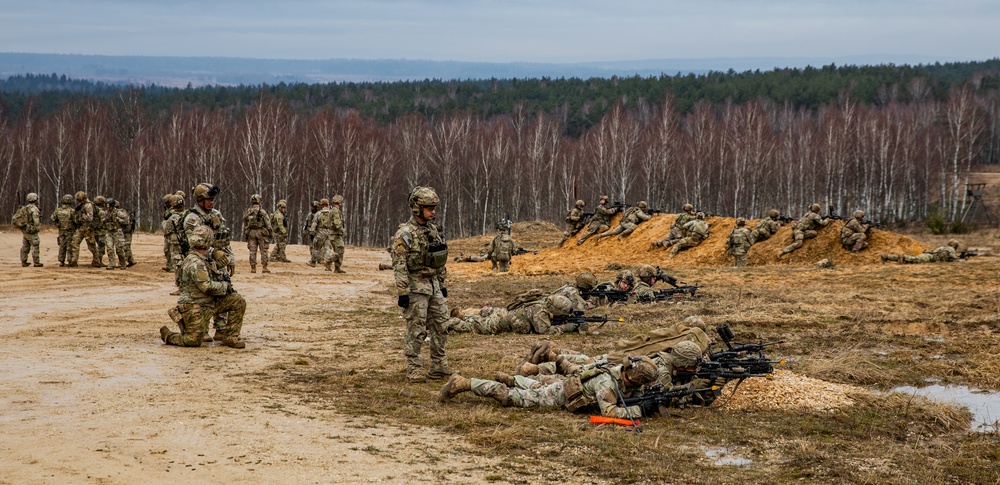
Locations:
{"points": [[255, 219]]}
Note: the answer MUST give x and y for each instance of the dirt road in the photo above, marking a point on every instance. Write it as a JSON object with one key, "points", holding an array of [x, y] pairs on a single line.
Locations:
{"points": [[89, 394]]}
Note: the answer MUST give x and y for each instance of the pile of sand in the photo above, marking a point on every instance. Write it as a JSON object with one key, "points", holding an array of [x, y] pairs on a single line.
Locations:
{"points": [[788, 391], [595, 255]]}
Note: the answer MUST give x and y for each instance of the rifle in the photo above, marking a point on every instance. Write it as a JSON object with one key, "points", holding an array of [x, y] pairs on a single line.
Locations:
{"points": [[670, 293], [182, 238], [665, 397], [663, 276], [736, 369], [620, 206], [871, 224], [520, 251], [585, 218], [786, 220], [734, 349], [967, 254], [578, 321], [655, 211], [606, 291], [831, 214]]}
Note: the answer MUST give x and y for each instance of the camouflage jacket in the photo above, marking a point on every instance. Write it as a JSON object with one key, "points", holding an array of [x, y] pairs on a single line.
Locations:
{"points": [[944, 253], [852, 227], [307, 227], [501, 247], [696, 227], [635, 215], [278, 223], [63, 217], [100, 224], [337, 222], [410, 258], [573, 217], [766, 227], [739, 241], [572, 293], [173, 224], [200, 281], [197, 216], [641, 292], [810, 222], [599, 388], [683, 218], [256, 219], [34, 220], [602, 215], [323, 220]]}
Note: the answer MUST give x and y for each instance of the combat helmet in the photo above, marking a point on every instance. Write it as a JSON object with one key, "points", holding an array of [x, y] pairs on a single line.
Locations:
{"points": [[201, 237], [639, 371], [32, 197], [422, 197], [642, 205], [814, 208], [176, 201], [205, 191], [67, 199], [773, 213], [112, 202], [700, 215], [687, 208], [741, 221], [606, 198], [337, 199], [646, 272], [255, 199], [954, 243], [558, 305], [580, 203], [99, 200], [685, 354], [315, 204], [627, 276], [324, 202], [859, 214], [81, 196], [586, 280], [282, 203]]}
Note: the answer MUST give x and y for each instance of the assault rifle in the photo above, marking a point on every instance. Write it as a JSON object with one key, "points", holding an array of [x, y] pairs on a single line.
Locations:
{"points": [[620, 206], [520, 251], [663, 276], [665, 397], [606, 291], [182, 238], [734, 349], [831, 214], [786, 219], [670, 293], [578, 320], [736, 369], [967, 254]]}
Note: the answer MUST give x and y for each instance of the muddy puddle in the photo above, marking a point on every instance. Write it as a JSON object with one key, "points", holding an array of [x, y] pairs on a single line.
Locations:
{"points": [[722, 457], [984, 405]]}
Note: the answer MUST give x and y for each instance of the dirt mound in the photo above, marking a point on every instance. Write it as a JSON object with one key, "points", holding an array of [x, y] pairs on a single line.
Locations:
{"points": [[595, 255], [788, 391]]}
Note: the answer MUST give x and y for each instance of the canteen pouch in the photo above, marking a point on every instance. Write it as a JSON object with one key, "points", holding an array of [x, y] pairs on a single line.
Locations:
{"points": [[436, 255]]}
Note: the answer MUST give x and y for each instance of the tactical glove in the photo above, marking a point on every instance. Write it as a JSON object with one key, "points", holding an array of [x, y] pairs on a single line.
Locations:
{"points": [[444, 292], [650, 408], [403, 301]]}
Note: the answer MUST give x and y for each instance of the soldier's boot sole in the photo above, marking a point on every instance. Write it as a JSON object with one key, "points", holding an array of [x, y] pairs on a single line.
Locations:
{"points": [[235, 343], [456, 385], [164, 333]]}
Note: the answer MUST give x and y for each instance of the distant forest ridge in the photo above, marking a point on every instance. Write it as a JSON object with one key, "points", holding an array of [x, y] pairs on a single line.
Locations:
{"points": [[580, 103]]}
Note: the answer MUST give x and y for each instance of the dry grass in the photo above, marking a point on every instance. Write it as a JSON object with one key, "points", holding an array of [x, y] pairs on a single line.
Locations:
{"points": [[870, 325]]}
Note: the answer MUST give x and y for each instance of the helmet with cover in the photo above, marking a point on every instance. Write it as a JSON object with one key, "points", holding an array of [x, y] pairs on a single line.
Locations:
{"points": [[112, 202], [685, 354], [741, 221], [954, 243], [81, 196], [773, 213], [700, 215], [687, 208], [642, 205], [255, 199], [586, 280], [646, 272], [32, 197], [99, 200], [859, 214], [282, 203], [558, 305], [324, 202], [580, 203], [205, 191], [422, 197], [337, 199], [201, 237], [640, 371], [627, 277], [814, 208], [67, 199]]}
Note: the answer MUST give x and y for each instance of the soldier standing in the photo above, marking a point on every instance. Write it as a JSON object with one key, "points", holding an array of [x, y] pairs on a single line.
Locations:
{"points": [[279, 223], [257, 231], [100, 228], [206, 291], [574, 221], [631, 219], [28, 219], [805, 228], [695, 232], [740, 240], [308, 234], [322, 224], [600, 222], [766, 227], [854, 234], [63, 218], [114, 220], [501, 249], [84, 218], [337, 233], [419, 256], [127, 231], [677, 228], [173, 231]]}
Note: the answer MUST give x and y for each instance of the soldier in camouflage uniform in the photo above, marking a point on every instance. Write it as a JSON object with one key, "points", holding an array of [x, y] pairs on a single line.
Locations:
{"points": [[204, 213], [600, 222], [501, 250], [101, 228], [337, 233], [419, 256], [257, 231], [308, 235], [946, 254], [32, 223], [115, 219], [854, 234], [531, 317], [631, 219], [643, 290], [584, 282], [322, 225], [127, 232], [677, 228], [805, 228], [85, 218], [766, 227], [739, 242], [167, 203], [695, 231], [279, 223], [574, 221], [173, 227], [63, 218], [206, 291], [597, 388]]}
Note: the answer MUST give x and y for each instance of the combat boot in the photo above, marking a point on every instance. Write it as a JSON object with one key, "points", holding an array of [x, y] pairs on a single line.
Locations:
{"points": [[337, 269], [456, 385], [505, 378], [235, 343], [437, 373], [526, 369], [253, 268], [25, 264], [164, 333], [415, 376], [311, 264], [328, 267], [566, 367], [265, 270], [38, 265]]}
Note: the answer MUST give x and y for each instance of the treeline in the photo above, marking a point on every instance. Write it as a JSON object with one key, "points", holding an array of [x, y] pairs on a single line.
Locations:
{"points": [[893, 159]]}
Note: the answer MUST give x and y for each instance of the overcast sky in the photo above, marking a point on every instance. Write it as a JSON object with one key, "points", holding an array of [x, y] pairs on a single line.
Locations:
{"points": [[505, 31]]}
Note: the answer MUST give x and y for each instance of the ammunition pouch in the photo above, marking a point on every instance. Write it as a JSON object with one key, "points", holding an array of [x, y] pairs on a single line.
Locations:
{"points": [[176, 315], [575, 398], [436, 256]]}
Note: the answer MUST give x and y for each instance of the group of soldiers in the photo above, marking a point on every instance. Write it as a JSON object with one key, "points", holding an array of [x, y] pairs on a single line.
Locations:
{"points": [[103, 224]]}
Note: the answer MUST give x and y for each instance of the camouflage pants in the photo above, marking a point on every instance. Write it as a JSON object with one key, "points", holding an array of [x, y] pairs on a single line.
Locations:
{"points": [[489, 324], [675, 235], [65, 241], [258, 238], [919, 259], [758, 236], [527, 393], [321, 246], [280, 241], [115, 242], [471, 259], [308, 240], [621, 230], [685, 243], [336, 251], [593, 228], [503, 265], [30, 243], [166, 254], [570, 230], [128, 249], [80, 235], [855, 242], [739, 259], [174, 256], [196, 318], [426, 316], [102, 244], [797, 238]]}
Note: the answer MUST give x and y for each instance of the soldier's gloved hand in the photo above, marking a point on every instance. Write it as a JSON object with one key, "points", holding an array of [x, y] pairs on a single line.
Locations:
{"points": [[649, 408], [232, 270], [221, 258], [444, 292], [719, 382], [403, 301]]}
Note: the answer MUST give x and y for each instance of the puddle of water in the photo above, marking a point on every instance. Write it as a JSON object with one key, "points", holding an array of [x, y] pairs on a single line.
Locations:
{"points": [[984, 405], [723, 458]]}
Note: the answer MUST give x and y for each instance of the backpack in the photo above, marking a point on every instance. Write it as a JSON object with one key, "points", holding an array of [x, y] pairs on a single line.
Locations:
{"points": [[531, 295], [504, 249], [22, 217]]}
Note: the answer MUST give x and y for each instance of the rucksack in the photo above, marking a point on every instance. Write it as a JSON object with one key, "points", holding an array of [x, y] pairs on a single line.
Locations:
{"points": [[21, 217], [531, 295]]}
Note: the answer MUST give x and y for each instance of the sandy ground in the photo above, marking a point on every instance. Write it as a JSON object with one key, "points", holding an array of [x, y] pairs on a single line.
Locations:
{"points": [[89, 394]]}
